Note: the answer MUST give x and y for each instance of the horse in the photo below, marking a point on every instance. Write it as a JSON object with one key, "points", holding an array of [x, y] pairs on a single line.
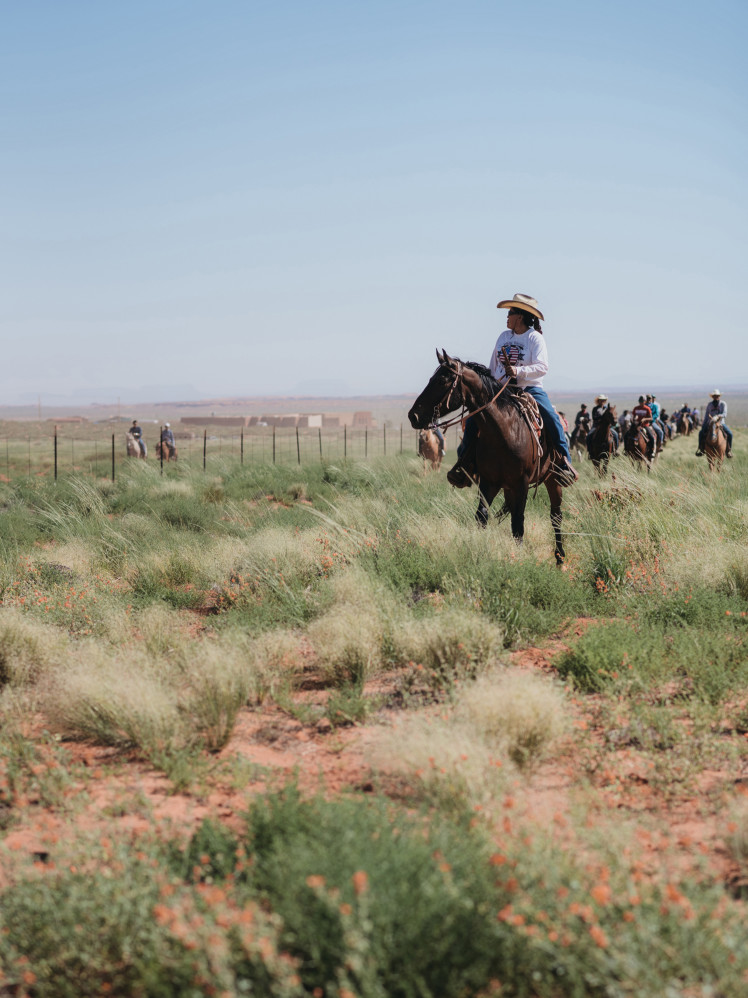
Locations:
{"points": [[684, 424], [579, 436], [508, 455], [134, 448], [601, 444], [715, 442], [636, 445], [430, 448], [169, 453]]}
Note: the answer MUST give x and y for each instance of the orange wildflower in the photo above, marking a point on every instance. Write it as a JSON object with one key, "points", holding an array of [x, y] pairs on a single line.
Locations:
{"points": [[599, 936], [360, 882]]}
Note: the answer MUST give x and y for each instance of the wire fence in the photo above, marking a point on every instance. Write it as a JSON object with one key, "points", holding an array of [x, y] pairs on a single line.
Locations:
{"points": [[66, 452]]}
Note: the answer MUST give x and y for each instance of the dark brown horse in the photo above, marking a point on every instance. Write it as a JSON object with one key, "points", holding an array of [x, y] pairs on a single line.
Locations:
{"points": [[636, 445], [601, 444], [578, 441], [507, 454]]}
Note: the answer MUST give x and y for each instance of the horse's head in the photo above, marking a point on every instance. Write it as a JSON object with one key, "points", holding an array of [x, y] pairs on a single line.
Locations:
{"points": [[441, 395]]}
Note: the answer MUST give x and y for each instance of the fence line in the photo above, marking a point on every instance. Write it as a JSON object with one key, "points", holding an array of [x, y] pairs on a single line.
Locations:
{"points": [[46, 456]]}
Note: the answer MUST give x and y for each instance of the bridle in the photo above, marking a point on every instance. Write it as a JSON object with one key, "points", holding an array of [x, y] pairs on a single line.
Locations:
{"points": [[447, 398]]}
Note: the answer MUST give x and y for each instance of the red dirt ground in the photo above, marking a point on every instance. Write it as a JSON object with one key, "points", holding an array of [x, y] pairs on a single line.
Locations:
{"points": [[268, 746]]}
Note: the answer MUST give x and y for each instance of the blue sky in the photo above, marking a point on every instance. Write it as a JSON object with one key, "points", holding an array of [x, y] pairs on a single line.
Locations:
{"points": [[252, 197]]}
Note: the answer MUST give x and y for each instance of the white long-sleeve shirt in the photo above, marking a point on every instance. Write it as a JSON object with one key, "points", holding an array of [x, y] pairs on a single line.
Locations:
{"points": [[528, 355]]}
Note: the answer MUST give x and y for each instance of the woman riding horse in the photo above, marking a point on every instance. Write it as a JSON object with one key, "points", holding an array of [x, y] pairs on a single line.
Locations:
{"points": [[520, 353], [510, 453]]}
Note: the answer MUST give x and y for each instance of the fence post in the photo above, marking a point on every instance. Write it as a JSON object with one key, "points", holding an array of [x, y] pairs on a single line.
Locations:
{"points": [[366, 442], [112, 457], [161, 447], [241, 447], [298, 451], [401, 438], [72, 453], [55, 451], [273, 443], [205, 448], [384, 440], [319, 431], [345, 440], [7, 457], [29, 457]]}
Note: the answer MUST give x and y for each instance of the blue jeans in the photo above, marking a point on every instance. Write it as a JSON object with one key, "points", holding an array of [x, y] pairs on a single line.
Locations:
{"points": [[554, 429]]}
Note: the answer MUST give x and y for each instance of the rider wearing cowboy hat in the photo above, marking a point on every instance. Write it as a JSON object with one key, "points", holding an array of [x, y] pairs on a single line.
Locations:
{"points": [[715, 408], [601, 405], [520, 353]]}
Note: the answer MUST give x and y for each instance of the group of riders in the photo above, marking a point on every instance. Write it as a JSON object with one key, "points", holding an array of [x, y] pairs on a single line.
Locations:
{"points": [[650, 418], [167, 442]]}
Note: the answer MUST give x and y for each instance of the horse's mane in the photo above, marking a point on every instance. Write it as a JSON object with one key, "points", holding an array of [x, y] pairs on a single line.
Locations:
{"points": [[490, 385]]}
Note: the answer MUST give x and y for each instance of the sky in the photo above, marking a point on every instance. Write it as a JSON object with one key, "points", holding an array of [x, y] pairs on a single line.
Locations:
{"points": [[249, 198]]}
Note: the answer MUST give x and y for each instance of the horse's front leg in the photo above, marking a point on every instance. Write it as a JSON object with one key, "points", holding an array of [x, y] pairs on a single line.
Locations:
{"points": [[555, 494], [487, 495], [516, 501]]}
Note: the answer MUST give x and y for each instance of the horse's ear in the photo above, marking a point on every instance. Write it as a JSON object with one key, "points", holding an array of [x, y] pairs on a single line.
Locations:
{"points": [[440, 359], [446, 359]]}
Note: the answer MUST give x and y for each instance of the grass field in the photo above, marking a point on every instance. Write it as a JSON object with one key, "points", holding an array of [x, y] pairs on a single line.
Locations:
{"points": [[307, 730]]}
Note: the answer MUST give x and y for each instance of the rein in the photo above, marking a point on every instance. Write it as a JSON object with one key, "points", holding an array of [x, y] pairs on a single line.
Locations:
{"points": [[462, 417]]}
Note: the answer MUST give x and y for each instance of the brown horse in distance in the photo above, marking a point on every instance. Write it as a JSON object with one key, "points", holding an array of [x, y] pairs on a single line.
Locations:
{"points": [[169, 453], [715, 443], [507, 454], [578, 440], [636, 446], [429, 448], [684, 424], [602, 444]]}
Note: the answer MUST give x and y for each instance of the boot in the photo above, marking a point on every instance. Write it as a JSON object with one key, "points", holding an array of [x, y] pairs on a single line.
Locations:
{"points": [[728, 454], [458, 477], [699, 452]]}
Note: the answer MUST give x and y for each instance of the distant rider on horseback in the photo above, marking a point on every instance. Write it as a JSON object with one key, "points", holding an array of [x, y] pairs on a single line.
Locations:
{"points": [[601, 406], [642, 419], [167, 440], [137, 433], [654, 408], [520, 353], [715, 408]]}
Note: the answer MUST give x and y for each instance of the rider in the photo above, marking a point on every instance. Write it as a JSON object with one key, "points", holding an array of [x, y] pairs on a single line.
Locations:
{"points": [[601, 406], [654, 408], [167, 439], [440, 438], [715, 408], [137, 432], [582, 416], [642, 416], [520, 353]]}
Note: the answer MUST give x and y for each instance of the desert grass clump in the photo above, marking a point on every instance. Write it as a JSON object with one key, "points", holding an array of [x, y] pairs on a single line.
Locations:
{"points": [[27, 649], [451, 645], [348, 639], [121, 702], [517, 713], [275, 658], [426, 757], [219, 683]]}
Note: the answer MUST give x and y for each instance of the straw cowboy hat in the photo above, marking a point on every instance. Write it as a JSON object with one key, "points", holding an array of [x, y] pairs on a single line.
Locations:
{"points": [[601, 398], [524, 302], [716, 392]]}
